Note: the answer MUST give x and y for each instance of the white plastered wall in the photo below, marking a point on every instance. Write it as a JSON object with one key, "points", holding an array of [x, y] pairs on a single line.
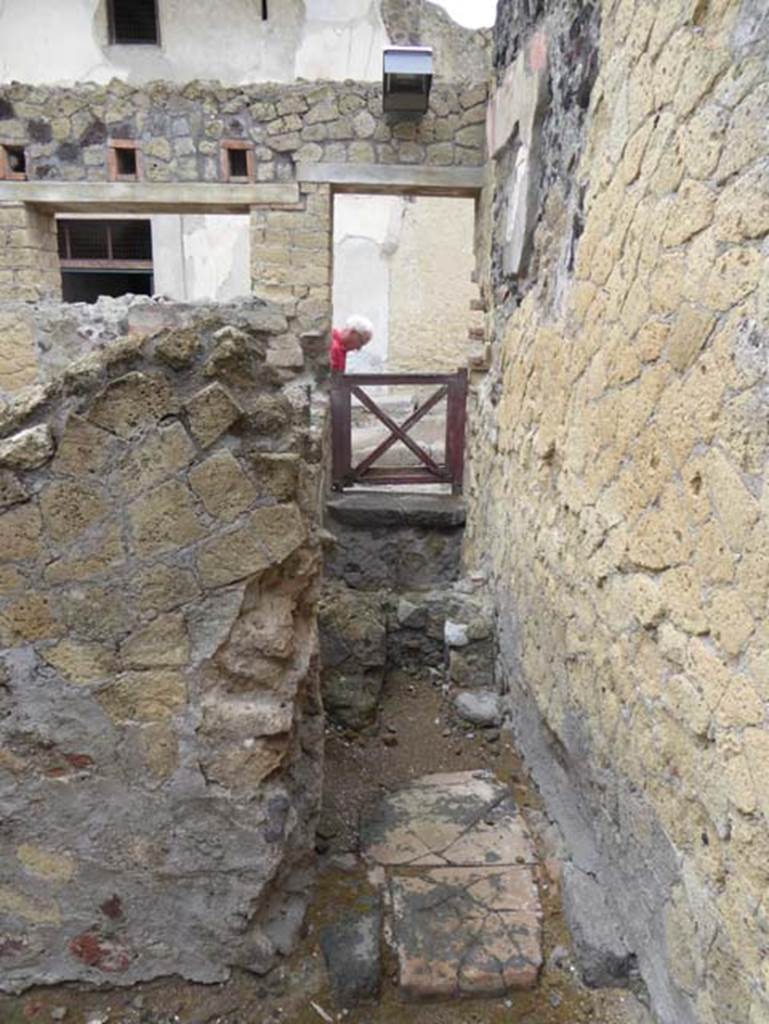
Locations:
{"points": [[342, 39], [65, 41], [201, 257]]}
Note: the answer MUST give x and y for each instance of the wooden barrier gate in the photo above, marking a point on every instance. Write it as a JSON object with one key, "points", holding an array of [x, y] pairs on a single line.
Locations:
{"points": [[452, 387]]}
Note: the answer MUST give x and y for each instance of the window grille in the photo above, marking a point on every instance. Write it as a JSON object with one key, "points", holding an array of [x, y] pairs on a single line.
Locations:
{"points": [[105, 257], [133, 22], [84, 243]]}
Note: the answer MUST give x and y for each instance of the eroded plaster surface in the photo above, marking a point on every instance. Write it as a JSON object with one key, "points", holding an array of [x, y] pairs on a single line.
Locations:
{"points": [[341, 39], [204, 257]]}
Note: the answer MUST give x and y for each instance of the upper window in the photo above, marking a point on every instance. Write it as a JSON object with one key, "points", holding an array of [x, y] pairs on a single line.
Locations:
{"points": [[13, 162], [133, 22], [123, 160], [237, 160]]}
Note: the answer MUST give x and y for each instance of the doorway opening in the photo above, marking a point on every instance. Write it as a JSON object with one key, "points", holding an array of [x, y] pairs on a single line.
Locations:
{"points": [[407, 264]]}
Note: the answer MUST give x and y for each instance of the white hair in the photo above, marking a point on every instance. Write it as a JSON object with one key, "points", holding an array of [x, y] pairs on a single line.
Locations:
{"points": [[361, 325]]}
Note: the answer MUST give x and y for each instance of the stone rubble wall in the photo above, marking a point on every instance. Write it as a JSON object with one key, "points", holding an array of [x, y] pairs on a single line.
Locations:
{"points": [[618, 495], [393, 556], [179, 128], [366, 636], [40, 341], [392, 601], [160, 725]]}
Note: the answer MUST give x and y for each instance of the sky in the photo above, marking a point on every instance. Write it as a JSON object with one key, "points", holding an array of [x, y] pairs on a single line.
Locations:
{"points": [[471, 13]]}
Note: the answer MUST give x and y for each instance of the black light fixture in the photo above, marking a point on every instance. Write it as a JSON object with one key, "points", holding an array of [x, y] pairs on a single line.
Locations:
{"points": [[408, 75]]}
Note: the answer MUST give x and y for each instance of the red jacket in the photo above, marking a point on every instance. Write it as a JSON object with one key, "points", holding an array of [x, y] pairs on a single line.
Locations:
{"points": [[337, 353]]}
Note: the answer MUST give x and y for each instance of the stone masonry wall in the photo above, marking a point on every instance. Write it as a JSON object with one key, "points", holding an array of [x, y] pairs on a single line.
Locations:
{"points": [[29, 261], [179, 128], [618, 490], [39, 341], [179, 131], [291, 260], [160, 727]]}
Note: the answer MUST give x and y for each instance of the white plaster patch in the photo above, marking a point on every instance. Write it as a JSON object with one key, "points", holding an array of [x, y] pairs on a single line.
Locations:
{"points": [[200, 258], [516, 224], [342, 39]]}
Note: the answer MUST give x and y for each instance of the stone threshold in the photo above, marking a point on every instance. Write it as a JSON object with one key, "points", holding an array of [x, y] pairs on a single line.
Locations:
{"points": [[396, 508]]}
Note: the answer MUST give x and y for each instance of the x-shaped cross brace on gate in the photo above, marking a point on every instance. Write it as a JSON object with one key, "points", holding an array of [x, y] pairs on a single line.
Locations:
{"points": [[399, 433]]}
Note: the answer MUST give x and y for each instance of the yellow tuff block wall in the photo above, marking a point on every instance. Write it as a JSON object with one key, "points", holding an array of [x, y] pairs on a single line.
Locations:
{"points": [[620, 504], [29, 263]]}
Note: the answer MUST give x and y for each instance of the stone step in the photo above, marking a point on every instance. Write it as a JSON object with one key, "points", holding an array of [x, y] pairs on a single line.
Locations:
{"points": [[461, 888]]}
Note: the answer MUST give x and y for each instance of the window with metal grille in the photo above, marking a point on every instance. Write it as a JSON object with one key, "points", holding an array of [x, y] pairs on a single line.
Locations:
{"points": [[105, 240], [105, 257], [133, 22]]}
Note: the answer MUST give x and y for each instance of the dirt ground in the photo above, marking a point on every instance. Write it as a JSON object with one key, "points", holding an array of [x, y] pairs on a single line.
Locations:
{"points": [[417, 734]]}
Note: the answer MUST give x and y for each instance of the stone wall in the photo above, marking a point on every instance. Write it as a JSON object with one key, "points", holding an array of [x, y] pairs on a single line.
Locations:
{"points": [[160, 734], [618, 495], [39, 342], [431, 287], [29, 262], [179, 128], [392, 603], [291, 257]]}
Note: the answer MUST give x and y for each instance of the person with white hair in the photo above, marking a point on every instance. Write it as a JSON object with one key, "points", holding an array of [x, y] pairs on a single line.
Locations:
{"points": [[357, 332]]}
